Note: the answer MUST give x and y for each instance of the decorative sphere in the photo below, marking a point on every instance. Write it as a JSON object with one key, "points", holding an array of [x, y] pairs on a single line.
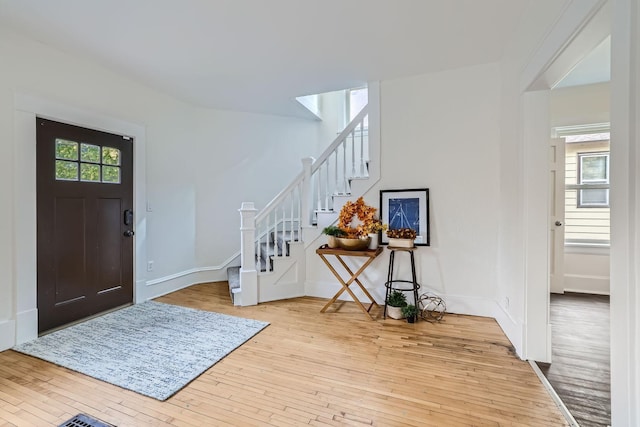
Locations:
{"points": [[432, 307]]}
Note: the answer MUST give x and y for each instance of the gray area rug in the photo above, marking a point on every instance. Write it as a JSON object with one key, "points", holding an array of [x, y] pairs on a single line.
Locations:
{"points": [[152, 348]]}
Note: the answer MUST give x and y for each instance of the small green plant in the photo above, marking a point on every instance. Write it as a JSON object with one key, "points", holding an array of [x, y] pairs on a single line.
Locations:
{"points": [[409, 311], [397, 299], [332, 230]]}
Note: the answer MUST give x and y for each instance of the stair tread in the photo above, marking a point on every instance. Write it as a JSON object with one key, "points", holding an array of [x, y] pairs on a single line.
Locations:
{"points": [[233, 277]]}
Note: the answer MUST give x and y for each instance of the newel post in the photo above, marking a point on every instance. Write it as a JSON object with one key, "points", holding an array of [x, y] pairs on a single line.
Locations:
{"points": [[307, 194], [248, 272]]}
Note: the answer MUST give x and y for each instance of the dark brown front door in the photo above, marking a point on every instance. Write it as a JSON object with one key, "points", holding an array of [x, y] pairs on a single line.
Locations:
{"points": [[85, 222]]}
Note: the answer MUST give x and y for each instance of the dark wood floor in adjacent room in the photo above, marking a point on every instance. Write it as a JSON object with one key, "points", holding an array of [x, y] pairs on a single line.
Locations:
{"points": [[580, 368]]}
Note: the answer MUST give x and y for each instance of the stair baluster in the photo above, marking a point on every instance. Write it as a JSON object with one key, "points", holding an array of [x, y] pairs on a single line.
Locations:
{"points": [[362, 165], [326, 192], [353, 154], [344, 168], [274, 232], [319, 190]]}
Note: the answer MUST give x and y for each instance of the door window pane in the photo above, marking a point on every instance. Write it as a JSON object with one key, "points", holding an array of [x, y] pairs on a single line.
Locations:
{"points": [[110, 156], [89, 153], [66, 171], [88, 162], [111, 174], [66, 150], [89, 172]]}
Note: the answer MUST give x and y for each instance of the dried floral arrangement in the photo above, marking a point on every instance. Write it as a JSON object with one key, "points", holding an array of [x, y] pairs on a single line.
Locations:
{"points": [[402, 233], [364, 213]]}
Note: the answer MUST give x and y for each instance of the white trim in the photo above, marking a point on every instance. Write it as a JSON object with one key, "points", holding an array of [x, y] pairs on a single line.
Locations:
{"points": [[587, 284], [512, 329], [26, 108], [581, 26], [26, 325], [7, 331], [180, 274], [174, 282], [556, 399], [587, 248], [561, 131]]}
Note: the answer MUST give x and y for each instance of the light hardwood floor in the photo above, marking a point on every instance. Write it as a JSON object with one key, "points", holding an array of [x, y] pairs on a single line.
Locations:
{"points": [[336, 368]]}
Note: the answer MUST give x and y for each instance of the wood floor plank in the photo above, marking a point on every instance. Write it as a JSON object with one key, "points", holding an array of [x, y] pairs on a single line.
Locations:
{"points": [[309, 368], [580, 369]]}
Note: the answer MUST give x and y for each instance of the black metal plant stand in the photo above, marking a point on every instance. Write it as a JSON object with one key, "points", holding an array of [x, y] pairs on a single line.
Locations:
{"points": [[401, 285]]}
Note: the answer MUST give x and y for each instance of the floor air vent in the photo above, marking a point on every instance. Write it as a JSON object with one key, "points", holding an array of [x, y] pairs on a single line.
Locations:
{"points": [[82, 420]]}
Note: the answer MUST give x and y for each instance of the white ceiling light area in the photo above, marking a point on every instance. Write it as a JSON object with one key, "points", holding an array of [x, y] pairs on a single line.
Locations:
{"points": [[257, 55]]}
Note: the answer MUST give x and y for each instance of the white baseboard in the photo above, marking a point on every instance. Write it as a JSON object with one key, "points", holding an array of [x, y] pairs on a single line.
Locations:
{"points": [[7, 334], [586, 284], [27, 326], [473, 306], [165, 285], [554, 396], [511, 328]]}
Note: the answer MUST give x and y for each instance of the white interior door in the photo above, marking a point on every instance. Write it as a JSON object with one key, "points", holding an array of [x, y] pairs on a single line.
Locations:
{"points": [[556, 214]]}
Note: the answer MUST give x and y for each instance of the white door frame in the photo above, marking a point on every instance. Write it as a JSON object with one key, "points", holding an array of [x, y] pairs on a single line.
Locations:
{"points": [[625, 213], [26, 108], [565, 46], [624, 21]]}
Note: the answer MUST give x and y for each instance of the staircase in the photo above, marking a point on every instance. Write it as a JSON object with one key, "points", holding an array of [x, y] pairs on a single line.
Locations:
{"points": [[275, 240]]}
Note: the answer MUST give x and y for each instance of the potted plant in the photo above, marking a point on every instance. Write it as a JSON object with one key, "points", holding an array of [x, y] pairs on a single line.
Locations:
{"points": [[410, 312], [395, 302], [401, 237], [374, 229], [333, 232]]}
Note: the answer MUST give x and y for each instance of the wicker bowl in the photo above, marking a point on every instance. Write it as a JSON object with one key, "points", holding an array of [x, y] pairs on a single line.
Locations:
{"points": [[354, 244]]}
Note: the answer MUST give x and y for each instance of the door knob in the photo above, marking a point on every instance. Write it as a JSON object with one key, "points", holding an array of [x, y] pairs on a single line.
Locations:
{"points": [[129, 233], [558, 223]]}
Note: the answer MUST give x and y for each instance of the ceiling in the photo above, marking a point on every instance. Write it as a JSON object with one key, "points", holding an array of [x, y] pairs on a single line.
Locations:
{"points": [[258, 55]]}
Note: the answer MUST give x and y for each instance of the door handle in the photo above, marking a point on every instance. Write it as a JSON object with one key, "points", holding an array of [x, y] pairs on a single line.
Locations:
{"points": [[128, 233], [558, 223]]}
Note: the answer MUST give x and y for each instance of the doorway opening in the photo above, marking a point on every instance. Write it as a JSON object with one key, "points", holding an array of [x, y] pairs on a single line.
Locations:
{"points": [[580, 367], [579, 300]]}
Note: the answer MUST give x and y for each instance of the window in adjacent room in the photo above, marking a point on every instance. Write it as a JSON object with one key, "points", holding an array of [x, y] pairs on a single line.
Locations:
{"points": [[587, 172], [593, 180]]}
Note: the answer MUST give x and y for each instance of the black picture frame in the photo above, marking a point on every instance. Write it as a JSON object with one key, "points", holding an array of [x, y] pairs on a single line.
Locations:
{"points": [[406, 209]]}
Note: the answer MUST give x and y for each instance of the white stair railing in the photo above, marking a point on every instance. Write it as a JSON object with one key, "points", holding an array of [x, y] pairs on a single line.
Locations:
{"points": [[283, 219]]}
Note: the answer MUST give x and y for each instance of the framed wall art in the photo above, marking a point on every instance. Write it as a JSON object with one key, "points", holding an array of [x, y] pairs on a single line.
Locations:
{"points": [[406, 209]]}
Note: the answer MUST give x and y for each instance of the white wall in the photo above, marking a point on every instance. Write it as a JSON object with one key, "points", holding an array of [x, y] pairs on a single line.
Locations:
{"points": [[441, 131], [193, 222], [586, 270], [580, 105]]}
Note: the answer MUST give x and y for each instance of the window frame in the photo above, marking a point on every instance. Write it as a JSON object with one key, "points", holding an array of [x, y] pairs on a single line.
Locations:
{"points": [[592, 184], [347, 106]]}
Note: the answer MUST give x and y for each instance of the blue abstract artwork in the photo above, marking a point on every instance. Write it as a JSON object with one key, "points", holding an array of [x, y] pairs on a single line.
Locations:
{"points": [[404, 213]]}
